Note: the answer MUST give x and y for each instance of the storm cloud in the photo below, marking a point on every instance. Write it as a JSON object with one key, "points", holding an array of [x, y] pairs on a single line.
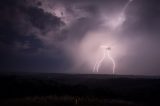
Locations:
{"points": [[64, 35]]}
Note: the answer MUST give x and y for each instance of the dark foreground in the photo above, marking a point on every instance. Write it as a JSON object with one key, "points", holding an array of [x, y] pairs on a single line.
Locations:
{"points": [[78, 90]]}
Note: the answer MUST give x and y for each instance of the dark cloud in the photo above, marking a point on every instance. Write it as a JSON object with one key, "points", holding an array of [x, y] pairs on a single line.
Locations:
{"points": [[21, 22], [20, 28], [42, 20], [143, 16]]}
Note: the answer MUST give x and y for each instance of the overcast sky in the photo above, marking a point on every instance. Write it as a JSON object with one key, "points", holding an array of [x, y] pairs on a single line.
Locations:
{"points": [[66, 35]]}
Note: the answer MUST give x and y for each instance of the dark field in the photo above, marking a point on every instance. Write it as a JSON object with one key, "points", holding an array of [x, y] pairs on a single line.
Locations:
{"points": [[78, 89]]}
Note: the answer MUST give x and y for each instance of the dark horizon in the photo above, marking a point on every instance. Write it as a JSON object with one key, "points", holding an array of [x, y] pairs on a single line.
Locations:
{"points": [[50, 74]]}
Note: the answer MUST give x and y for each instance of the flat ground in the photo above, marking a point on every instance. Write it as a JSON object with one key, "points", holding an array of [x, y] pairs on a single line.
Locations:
{"points": [[78, 89]]}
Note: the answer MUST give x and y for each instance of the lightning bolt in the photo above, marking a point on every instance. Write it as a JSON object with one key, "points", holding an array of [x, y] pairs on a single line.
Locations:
{"points": [[126, 6], [111, 58], [98, 63], [116, 23]]}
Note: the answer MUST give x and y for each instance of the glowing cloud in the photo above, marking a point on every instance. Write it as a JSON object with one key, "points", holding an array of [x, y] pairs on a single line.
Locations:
{"points": [[117, 20], [113, 23]]}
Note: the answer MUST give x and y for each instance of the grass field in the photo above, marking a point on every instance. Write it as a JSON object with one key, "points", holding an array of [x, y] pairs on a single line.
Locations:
{"points": [[78, 89], [66, 100]]}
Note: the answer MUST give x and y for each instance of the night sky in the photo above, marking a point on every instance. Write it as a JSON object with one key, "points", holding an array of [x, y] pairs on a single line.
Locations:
{"points": [[65, 35]]}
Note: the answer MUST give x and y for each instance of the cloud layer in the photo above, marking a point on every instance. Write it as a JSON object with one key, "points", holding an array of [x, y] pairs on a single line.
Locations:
{"points": [[65, 35]]}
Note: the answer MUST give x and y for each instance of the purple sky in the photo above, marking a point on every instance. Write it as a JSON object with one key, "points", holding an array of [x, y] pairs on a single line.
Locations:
{"points": [[65, 35]]}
